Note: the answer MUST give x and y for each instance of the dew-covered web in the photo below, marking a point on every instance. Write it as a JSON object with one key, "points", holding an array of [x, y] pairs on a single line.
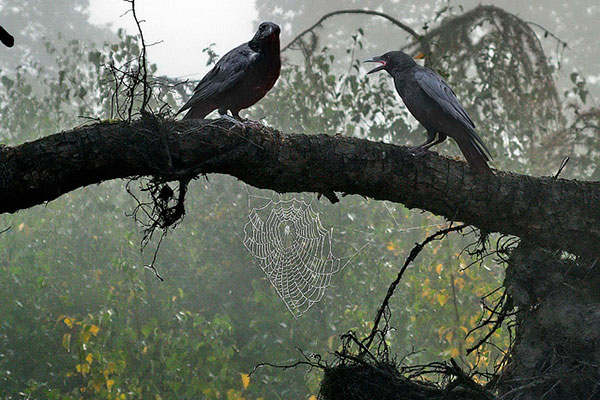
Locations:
{"points": [[293, 250]]}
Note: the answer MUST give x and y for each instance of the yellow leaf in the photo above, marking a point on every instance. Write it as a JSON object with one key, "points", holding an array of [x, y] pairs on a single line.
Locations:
{"points": [[112, 367], [460, 283], [454, 352], [85, 336], [313, 397], [442, 299], [245, 380], [89, 358], [232, 394], [97, 385], [94, 329], [441, 331], [68, 321], [473, 320], [391, 246], [66, 342], [330, 342], [83, 368], [438, 269], [109, 384], [470, 340], [449, 336]]}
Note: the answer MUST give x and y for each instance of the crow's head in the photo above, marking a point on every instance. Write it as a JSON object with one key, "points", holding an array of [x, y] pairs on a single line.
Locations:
{"points": [[392, 60], [266, 35]]}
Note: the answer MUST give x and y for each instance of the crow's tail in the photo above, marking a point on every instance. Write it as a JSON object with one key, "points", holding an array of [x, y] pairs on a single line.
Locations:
{"points": [[475, 152], [196, 113]]}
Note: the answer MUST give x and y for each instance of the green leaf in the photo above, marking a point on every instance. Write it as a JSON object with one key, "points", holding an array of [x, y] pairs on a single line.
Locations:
{"points": [[8, 83]]}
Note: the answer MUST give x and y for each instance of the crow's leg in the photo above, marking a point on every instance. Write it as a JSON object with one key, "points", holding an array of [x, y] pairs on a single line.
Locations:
{"points": [[236, 115], [246, 121], [440, 139], [236, 120], [430, 139], [422, 148]]}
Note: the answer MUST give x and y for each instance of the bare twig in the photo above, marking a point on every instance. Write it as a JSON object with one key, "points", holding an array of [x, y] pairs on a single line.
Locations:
{"points": [[507, 306], [548, 33], [411, 257], [563, 164], [151, 266], [307, 361], [399, 24], [142, 60]]}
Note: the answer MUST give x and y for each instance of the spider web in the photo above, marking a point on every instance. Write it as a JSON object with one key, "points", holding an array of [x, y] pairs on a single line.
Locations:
{"points": [[293, 250]]}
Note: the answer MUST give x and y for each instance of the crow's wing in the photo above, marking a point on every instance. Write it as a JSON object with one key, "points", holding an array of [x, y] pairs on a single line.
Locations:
{"points": [[228, 71], [442, 94], [438, 90]]}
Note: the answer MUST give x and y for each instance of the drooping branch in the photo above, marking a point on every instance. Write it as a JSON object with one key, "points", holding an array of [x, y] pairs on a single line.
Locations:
{"points": [[553, 213], [393, 20]]}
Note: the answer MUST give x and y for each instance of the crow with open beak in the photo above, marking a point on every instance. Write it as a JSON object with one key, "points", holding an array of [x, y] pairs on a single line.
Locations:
{"points": [[240, 78], [433, 103]]}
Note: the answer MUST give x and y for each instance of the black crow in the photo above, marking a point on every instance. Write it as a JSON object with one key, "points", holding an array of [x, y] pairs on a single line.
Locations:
{"points": [[431, 101], [240, 78]]}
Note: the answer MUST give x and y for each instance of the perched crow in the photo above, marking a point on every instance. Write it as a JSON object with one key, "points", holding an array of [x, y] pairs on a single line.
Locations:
{"points": [[431, 101], [240, 78]]}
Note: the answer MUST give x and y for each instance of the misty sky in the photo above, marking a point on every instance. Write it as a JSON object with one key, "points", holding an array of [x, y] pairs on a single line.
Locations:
{"points": [[185, 27]]}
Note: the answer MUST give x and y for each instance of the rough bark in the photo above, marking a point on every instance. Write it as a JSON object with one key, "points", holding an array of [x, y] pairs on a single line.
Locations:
{"points": [[555, 214], [557, 345]]}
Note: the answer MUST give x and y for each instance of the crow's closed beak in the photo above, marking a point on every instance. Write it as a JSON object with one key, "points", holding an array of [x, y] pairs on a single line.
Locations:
{"points": [[376, 60]]}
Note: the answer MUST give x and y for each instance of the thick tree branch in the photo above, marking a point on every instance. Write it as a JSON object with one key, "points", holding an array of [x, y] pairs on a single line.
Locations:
{"points": [[553, 213]]}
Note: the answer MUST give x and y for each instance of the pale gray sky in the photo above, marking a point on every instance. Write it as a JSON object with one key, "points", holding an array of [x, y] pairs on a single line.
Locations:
{"points": [[185, 28]]}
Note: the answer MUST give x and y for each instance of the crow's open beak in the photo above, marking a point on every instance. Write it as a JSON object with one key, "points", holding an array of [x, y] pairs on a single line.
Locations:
{"points": [[376, 60]]}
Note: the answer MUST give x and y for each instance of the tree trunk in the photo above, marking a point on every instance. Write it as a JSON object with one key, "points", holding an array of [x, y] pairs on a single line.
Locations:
{"points": [[557, 349]]}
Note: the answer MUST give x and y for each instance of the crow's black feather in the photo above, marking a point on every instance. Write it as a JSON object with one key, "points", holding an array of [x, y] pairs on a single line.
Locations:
{"points": [[433, 103], [240, 78]]}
